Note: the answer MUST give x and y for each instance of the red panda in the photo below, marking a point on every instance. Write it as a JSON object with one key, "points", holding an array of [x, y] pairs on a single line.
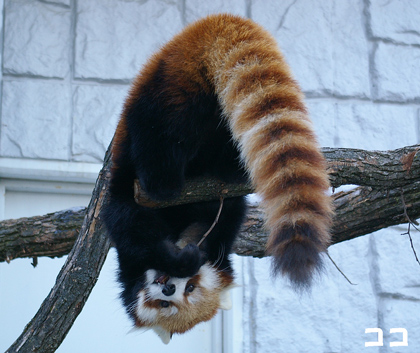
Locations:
{"points": [[218, 100]]}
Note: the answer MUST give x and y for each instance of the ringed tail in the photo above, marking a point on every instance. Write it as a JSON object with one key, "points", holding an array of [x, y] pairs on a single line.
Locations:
{"points": [[264, 107]]}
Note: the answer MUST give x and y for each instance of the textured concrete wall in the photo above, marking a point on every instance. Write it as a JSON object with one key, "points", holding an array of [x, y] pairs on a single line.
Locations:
{"points": [[67, 66]]}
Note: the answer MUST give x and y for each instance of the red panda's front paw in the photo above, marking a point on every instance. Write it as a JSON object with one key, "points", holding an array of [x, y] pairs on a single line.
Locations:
{"points": [[190, 259]]}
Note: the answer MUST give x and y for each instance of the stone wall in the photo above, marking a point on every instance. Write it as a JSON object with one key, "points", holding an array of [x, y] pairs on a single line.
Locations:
{"points": [[67, 66]]}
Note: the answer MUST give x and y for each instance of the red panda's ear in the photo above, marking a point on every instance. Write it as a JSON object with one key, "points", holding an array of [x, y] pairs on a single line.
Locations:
{"points": [[164, 335], [225, 299]]}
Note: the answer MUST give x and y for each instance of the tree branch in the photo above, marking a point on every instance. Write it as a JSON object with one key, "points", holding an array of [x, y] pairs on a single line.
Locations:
{"points": [[387, 177], [378, 169], [50, 235], [384, 170], [359, 212], [50, 325]]}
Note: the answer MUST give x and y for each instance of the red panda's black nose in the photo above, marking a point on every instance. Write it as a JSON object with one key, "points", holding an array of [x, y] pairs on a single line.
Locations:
{"points": [[168, 289]]}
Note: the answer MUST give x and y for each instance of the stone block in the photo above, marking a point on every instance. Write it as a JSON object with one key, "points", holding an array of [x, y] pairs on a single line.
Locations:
{"points": [[35, 120], [95, 116], [395, 20], [397, 72], [401, 314], [61, 2], [397, 274], [303, 32], [1, 29], [350, 51], [115, 37], [327, 53], [375, 126], [299, 321], [358, 302], [36, 39], [195, 10], [323, 115]]}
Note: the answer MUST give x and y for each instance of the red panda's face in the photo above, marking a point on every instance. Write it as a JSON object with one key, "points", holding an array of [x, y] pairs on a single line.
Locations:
{"points": [[175, 305]]}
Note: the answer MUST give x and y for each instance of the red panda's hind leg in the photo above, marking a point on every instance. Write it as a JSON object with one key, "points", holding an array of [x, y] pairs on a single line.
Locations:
{"points": [[161, 183]]}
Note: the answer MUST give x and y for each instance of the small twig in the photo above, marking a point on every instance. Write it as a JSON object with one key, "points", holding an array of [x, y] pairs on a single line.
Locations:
{"points": [[413, 223], [214, 223], [339, 270], [412, 245], [411, 242], [410, 223]]}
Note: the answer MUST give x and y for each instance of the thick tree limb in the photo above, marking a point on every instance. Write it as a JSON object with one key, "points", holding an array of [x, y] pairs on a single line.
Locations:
{"points": [[359, 212], [50, 325], [51, 235], [387, 169], [383, 170], [393, 184]]}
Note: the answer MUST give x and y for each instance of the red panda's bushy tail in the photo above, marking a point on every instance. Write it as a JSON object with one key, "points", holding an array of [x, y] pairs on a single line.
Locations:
{"points": [[266, 113]]}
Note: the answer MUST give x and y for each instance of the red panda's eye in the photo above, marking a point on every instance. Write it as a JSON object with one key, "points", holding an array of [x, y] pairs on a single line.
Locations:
{"points": [[164, 304], [190, 288]]}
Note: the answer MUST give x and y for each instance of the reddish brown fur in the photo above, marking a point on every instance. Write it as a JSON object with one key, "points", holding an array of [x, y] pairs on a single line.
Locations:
{"points": [[121, 135], [241, 64]]}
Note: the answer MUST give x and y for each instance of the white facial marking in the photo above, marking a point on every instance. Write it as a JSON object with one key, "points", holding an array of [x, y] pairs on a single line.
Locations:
{"points": [[209, 280], [208, 277], [155, 289], [150, 276], [180, 283], [145, 314]]}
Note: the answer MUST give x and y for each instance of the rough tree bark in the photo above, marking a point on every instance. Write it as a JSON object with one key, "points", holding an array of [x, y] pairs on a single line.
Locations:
{"points": [[51, 323], [389, 178], [389, 194], [360, 211]]}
